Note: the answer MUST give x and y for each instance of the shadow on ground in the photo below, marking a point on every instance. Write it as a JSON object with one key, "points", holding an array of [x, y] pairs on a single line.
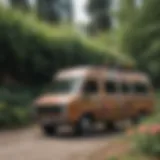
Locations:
{"points": [[95, 134]]}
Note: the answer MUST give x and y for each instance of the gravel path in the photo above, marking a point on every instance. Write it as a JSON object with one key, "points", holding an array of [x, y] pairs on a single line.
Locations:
{"points": [[31, 144]]}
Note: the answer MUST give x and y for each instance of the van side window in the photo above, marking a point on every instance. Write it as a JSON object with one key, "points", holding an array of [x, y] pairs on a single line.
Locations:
{"points": [[90, 87], [126, 88], [110, 87], [141, 88]]}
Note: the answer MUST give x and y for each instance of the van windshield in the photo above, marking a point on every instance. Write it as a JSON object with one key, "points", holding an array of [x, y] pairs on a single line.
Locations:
{"points": [[64, 85]]}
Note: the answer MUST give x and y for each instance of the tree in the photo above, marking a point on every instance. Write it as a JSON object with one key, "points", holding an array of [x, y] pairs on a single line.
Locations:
{"points": [[23, 4], [122, 16], [46, 10], [54, 10], [100, 16], [142, 39], [66, 10], [127, 11], [32, 51]]}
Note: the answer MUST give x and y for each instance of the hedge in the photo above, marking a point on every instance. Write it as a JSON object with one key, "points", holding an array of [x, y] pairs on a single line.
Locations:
{"points": [[31, 51], [15, 106]]}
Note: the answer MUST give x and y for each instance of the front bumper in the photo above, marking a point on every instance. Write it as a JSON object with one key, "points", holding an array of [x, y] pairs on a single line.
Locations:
{"points": [[53, 119], [56, 114]]}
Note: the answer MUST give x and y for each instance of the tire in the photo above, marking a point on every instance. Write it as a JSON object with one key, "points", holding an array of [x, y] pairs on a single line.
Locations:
{"points": [[137, 119], [49, 130], [83, 126], [110, 126]]}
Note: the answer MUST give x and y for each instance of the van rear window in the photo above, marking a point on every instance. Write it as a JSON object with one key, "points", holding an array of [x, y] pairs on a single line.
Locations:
{"points": [[140, 88]]}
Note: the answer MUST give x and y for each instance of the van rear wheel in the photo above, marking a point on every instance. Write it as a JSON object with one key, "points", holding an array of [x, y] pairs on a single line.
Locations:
{"points": [[138, 118]]}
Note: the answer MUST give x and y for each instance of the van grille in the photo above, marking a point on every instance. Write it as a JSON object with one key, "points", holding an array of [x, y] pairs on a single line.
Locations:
{"points": [[44, 110]]}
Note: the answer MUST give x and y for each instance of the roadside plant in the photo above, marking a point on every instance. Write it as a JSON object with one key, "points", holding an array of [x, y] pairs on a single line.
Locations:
{"points": [[148, 139]]}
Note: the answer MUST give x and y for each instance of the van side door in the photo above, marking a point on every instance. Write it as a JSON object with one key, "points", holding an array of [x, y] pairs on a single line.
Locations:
{"points": [[111, 100], [91, 98], [127, 99]]}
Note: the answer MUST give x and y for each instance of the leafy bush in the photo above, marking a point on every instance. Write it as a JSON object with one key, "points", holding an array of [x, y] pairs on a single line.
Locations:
{"points": [[147, 136], [11, 116], [142, 39], [148, 140], [15, 106], [31, 51]]}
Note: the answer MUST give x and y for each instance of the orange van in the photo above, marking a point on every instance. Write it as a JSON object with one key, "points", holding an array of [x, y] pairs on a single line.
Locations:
{"points": [[82, 96]]}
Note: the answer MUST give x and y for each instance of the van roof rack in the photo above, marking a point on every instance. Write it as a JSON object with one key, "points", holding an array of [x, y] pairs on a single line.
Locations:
{"points": [[121, 67]]}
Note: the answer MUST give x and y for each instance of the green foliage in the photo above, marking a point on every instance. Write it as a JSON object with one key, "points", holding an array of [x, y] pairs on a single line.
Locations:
{"points": [[47, 12], [53, 10], [22, 4], [149, 144], [11, 116], [15, 105], [142, 39], [123, 16], [32, 51], [147, 139], [100, 15], [127, 12]]}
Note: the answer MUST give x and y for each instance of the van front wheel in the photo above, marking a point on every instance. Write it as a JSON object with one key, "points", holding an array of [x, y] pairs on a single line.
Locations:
{"points": [[83, 126], [110, 126]]}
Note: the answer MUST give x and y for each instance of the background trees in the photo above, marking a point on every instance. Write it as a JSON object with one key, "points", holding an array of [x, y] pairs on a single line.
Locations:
{"points": [[142, 39], [135, 33], [32, 50], [126, 12], [55, 11], [23, 4], [100, 15]]}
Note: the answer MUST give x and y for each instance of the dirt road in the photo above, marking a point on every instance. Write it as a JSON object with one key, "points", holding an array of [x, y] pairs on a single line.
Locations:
{"points": [[31, 144]]}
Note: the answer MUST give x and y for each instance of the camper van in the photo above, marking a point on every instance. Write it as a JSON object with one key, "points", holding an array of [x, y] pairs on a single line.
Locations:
{"points": [[82, 96]]}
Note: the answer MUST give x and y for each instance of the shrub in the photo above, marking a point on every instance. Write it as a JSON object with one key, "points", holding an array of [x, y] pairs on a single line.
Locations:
{"points": [[15, 106], [31, 51], [141, 39], [14, 116], [148, 139]]}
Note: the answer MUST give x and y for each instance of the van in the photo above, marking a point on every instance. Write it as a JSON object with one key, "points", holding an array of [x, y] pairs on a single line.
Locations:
{"points": [[79, 97]]}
